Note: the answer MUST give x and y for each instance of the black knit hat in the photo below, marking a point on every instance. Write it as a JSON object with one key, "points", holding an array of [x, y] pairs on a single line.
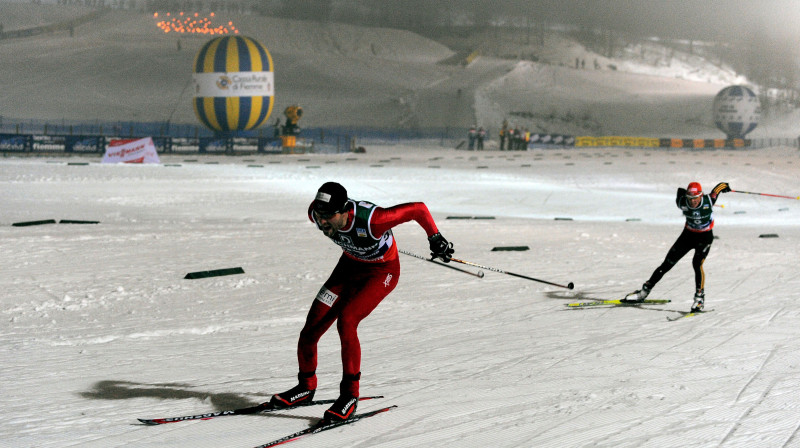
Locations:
{"points": [[331, 198]]}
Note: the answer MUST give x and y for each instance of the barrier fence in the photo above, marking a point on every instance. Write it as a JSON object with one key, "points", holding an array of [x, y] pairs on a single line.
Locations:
{"points": [[38, 137], [190, 139], [96, 144], [643, 142]]}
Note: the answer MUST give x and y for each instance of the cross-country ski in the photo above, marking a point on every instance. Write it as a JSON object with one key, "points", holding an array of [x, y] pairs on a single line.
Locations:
{"points": [[258, 409], [619, 302], [687, 314], [324, 426]]}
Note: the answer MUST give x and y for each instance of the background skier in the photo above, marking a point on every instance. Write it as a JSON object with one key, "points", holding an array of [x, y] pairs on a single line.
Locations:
{"points": [[697, 234]]}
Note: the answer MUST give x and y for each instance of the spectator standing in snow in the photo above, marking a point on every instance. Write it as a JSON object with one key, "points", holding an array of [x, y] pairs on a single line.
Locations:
{"points": [[481, 137], [504, 135], [472, 134]]}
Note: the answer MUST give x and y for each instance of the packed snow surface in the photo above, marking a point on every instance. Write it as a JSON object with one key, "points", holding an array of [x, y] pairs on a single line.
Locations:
{"points": [[99, 327]]}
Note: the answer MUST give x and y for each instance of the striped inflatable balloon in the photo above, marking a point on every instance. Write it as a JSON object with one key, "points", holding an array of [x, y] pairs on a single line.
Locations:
{"points": [[234, 85]]}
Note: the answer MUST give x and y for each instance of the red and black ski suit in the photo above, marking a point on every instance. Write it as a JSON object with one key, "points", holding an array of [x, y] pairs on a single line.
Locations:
{"points": [[367, 271]]}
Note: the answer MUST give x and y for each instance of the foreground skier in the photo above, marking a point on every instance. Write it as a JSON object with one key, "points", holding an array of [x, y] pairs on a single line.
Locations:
{"points": [[367, 271], [697, 234]]}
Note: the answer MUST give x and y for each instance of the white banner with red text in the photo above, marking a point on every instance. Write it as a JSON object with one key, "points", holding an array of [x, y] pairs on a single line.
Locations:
{"points": [[140, 150]]}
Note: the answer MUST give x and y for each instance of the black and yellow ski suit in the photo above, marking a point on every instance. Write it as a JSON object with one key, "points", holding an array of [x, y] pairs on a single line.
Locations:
{"points": [[697, 234]]}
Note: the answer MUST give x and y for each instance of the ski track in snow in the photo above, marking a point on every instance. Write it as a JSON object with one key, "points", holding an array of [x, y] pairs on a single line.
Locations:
{"points": [[99, 327]]}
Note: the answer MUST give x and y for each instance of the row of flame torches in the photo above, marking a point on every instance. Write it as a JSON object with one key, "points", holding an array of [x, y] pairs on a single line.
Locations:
{"points": [[192, 24]]}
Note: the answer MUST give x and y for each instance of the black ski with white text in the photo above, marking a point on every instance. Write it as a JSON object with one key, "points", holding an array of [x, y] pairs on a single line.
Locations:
{"points": [[258, 409], [324, 425]]}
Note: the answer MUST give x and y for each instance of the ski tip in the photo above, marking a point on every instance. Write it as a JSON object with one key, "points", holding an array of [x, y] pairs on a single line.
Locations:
{"points": [[149, 422], [377, 411], [581, 304], [685, 314], [386, 409]]}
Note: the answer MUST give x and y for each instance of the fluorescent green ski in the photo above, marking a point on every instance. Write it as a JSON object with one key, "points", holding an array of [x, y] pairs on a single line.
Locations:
{"points": [[685, 314], [621, 302]]}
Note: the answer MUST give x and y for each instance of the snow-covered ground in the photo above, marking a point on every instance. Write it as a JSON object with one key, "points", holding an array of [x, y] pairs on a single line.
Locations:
{"points": [[99, 327]]}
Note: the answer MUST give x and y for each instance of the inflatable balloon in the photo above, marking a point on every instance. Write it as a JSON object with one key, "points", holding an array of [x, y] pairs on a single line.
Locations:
{"points": [[736, 111], [233, 84]]}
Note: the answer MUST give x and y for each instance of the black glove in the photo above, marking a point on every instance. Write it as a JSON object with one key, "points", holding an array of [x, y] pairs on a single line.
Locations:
{"points": [[722, 187], [440, 248]]}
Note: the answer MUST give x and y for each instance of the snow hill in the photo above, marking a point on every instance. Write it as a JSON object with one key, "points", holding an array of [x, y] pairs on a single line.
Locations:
{"points": [[121, 67]]}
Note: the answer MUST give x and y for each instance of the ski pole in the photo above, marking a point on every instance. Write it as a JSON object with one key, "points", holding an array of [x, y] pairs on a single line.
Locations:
{"points": [[765, 194], [568, 286], [479, 274]]}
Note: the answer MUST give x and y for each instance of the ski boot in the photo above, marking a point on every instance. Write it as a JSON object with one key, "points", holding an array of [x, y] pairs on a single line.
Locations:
{"points": [[302, 393], [699, 301], [639, 295], [345, 406]]}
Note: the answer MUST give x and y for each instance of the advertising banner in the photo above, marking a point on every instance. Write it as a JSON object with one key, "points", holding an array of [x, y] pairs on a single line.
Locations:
{"points": [[131, 151], [15, 142], [233, 84], [84, 143]]}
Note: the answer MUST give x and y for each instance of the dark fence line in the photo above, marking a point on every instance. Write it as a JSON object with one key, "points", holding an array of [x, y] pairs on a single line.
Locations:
{"points": [[311, 140], [772, 142], [166, 129], [38, 136], [126, 128], [96, 144]]}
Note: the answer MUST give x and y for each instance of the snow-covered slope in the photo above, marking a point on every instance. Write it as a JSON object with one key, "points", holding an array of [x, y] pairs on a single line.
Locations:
{"points": [[121, 67]]}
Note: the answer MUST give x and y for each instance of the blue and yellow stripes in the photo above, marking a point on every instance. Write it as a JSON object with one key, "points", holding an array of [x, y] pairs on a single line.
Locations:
{"points": [[230, 113]]}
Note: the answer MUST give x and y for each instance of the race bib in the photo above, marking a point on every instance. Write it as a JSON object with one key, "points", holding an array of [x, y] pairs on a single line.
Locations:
{"points": [[326, 296]]}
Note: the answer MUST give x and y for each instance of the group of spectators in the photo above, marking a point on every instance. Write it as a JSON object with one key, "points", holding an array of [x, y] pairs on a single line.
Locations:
{"points": [[476, 136], [514, 139], [511, 139]]}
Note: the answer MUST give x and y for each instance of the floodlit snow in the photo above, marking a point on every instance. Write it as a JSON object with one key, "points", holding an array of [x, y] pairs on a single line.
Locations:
{"points": [[99, 327]]}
